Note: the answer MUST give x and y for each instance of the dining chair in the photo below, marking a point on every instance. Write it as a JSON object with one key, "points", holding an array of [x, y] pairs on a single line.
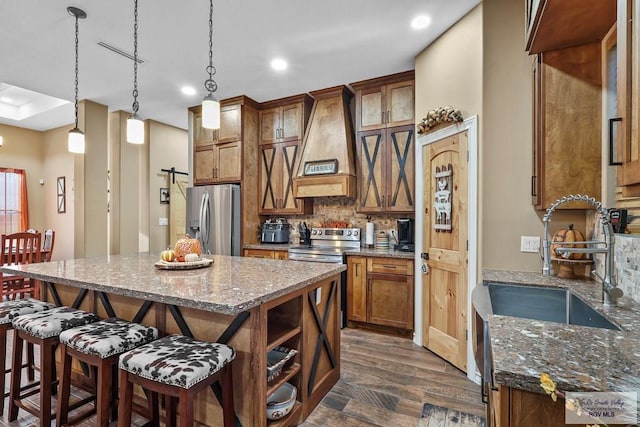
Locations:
{"points": [[48, 239], [18, 248]]}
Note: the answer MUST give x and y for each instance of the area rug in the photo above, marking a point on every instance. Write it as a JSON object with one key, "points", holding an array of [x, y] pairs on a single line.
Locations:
{"points": [[437, 416]]}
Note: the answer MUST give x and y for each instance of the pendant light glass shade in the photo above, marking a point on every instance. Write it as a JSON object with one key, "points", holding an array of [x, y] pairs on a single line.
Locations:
{"points": [[135, 125], [75, 142], [135, 129], [210, 112], [210, 105]]}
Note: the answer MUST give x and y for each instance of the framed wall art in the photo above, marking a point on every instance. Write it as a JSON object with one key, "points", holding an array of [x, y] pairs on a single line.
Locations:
{"points": [[61, 187], [164, 196]]}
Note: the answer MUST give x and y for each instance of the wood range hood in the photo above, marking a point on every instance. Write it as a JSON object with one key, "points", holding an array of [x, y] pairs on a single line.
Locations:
{"points": [[327, 163]]}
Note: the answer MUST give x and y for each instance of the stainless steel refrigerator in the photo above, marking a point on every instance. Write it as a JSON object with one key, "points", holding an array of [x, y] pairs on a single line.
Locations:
{"points": [[213, 217]]}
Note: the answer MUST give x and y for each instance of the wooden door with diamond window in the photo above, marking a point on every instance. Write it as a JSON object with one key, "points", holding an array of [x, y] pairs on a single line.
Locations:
{"points": [[444, 286]]}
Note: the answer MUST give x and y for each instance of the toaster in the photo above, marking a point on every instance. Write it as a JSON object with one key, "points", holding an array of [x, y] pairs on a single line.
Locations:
{"points": [[275, 233]]}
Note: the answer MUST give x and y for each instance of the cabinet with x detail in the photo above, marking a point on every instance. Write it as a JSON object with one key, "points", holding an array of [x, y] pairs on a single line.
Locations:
{"points": [[386, 170]]}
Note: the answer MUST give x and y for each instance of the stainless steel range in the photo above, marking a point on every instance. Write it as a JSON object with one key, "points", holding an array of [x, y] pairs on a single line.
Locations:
{"points": [[329, 245]]}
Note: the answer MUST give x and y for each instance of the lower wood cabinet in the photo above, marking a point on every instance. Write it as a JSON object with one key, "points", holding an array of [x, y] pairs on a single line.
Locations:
{"points": [[512, 407], [266, 253], [380, 292]]}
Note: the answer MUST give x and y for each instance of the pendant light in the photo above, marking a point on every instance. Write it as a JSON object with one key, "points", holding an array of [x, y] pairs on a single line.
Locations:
{"points": [[75, 143], [135, 125], [210, 105]]}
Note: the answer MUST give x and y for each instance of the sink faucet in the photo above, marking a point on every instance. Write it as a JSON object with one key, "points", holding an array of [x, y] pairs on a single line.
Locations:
{"points": [[610, 293]]}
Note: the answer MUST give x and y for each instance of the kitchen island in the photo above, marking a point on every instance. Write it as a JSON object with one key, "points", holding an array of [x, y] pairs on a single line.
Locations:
{"points": [[578, 358], [254, 305]]}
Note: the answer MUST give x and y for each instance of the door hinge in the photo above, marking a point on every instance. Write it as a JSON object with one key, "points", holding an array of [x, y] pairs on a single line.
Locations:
{"points": [[467, 155], [467, 246], [466, 335]]}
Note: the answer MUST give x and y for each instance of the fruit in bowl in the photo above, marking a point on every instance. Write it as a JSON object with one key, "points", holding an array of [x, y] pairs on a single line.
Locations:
{"points": [[187, 245], [168, 255]]}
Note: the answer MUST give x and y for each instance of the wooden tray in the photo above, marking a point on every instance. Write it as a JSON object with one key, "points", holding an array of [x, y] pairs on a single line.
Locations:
{"points": [[164, 265]]}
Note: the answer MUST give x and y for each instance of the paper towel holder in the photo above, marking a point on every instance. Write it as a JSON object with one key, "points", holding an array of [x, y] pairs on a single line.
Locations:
{"points": [[369, 234]]}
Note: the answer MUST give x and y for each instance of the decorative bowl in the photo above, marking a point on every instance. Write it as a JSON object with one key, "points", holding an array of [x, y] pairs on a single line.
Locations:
{"points": [[281, 401]]}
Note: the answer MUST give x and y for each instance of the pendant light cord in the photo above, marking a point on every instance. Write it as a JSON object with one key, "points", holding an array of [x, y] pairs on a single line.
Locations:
{"points": [[211, 84], [135, 57], [76, 79]]}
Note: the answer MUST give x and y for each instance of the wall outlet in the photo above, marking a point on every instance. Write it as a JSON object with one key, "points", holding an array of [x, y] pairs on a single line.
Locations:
{"points": [[163, 221], [530, 244]]}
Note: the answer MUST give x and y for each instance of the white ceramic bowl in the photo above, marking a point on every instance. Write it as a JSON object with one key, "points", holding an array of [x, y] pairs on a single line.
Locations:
{"points": [[281, 401]]}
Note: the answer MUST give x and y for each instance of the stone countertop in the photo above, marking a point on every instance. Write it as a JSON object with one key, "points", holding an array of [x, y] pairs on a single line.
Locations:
{"points": [[578, 358], [230, 285], [383, 253]]}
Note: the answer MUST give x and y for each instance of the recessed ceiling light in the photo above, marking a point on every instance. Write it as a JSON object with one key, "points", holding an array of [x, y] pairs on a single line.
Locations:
{"points": [[6, 100], [420, 22], [188, 90], [279, 64]]}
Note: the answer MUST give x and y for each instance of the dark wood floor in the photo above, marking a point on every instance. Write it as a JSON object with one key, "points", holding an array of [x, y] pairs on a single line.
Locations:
{"points": [[384, 382]]}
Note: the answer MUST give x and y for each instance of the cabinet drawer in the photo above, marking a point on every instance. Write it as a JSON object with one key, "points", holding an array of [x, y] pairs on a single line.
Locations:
{"points": [[390, 266], [259, 253]]}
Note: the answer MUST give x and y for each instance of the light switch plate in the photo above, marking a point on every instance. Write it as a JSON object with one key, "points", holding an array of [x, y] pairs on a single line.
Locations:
{"points": [[163, 221], [530, 244]]}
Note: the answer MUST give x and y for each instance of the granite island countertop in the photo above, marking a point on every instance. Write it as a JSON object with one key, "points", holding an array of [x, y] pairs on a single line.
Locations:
{"points": [[229, 286], [578, 358]]}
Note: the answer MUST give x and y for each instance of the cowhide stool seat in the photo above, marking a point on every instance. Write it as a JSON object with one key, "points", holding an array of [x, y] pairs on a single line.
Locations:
{"points": [[41, 329], [98, 344], [8, 311], [178, 367]]}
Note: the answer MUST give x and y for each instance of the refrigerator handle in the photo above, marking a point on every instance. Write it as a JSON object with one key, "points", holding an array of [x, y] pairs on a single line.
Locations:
{"points": [[205, 217], [207, 231], [201, 223]]}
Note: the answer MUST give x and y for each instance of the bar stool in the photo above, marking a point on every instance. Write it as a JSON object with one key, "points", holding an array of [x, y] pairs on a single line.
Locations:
{"points": [[178, 367], [98, 344], [8, 311], [42, 329]]}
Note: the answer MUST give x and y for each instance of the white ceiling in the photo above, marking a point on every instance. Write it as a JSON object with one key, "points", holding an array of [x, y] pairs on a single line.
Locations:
{"points": [[326, 43]]}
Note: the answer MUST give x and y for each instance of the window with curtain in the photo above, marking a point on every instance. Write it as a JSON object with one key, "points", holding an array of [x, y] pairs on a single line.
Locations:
{"points": [[14, 210]]}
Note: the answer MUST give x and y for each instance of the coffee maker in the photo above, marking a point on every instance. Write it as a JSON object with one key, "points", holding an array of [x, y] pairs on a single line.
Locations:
{"points": [[405, 235]]}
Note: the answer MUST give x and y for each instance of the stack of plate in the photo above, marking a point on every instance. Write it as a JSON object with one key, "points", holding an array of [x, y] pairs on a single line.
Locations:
{"points": [[382, 240]]}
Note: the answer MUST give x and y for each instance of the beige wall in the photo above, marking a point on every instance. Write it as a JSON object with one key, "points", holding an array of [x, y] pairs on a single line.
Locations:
{"points": [[169, 149], [23, 149], [58, 162], [506, 143], [449, 71]]}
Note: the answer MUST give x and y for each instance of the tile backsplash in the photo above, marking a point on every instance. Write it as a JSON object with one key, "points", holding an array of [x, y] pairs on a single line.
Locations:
{"points": [[626, 257], [627, 263], [326, 209]]}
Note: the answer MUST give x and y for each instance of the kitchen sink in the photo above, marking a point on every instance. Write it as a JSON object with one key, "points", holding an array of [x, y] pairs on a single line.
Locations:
{"points": [[548, 304], [529, 302]]}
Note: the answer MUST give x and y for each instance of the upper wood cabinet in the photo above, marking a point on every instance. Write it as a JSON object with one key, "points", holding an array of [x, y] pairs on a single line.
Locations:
{"points": [[386, 170], [284, 119], [628, 80], [278, 164], [558, 24], [217, 154], [281, 130], [385, 102], [567, 125]]}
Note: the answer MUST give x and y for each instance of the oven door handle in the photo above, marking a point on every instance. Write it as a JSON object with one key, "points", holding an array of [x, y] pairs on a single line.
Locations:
{"points": [[324, 259]]}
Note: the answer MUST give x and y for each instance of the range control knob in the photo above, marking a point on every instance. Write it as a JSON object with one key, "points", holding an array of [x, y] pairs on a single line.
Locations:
{"points": [[355, 233], [319, 232], [314, 232], [349, 233]]}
